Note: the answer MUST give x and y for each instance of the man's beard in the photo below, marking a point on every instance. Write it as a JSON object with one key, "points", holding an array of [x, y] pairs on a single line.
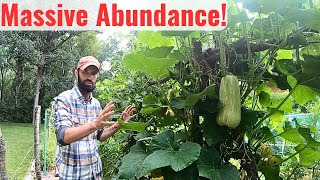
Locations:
{"points": [[84, 87]]}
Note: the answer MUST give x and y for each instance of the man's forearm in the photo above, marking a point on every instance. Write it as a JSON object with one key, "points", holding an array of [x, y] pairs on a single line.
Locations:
{"points": [[108, 132], [74, 134]]}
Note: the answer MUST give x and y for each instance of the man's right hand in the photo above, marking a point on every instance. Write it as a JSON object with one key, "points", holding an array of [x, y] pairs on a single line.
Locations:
{"points": [[104, 114]]}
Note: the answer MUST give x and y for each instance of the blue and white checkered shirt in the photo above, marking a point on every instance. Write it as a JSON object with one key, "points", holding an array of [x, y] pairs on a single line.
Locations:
{"points": [[80, 159]]}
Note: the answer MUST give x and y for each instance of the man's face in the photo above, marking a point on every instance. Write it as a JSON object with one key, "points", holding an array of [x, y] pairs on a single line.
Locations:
{"points": [[87, 78]]}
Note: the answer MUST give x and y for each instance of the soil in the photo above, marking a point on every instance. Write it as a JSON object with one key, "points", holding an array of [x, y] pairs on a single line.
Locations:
{"points": [[50, 174]]}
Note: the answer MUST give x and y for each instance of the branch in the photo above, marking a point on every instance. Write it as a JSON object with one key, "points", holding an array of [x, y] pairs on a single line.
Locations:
{"points": [[160, 81], [60, 44], [277, 108], [238, 47]]}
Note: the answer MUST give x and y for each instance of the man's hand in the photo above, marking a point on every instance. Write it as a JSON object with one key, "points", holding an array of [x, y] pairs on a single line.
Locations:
{"points": [[126, 115], [104, 114]]}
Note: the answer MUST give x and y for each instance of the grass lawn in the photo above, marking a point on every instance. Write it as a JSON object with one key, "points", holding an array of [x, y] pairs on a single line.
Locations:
{"points": [[19, 142]]}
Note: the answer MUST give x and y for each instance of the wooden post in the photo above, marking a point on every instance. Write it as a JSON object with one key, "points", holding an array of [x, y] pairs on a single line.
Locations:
{"points": [[3, 171], [37, 141]]}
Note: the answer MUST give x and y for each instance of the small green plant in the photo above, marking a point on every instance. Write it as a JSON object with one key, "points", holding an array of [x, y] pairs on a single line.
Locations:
{"points": [[111, 151], [51, 145]]}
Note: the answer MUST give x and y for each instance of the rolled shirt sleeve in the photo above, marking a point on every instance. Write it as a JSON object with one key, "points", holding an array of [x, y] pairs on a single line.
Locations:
{"points": [[62, 119]]}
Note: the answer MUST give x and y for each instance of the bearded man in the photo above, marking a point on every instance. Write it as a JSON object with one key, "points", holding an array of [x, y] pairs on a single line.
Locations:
{"points": [[80, 122]]}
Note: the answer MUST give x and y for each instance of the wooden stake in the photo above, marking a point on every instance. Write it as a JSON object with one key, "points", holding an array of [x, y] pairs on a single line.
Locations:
{"points": [[37, 142]]}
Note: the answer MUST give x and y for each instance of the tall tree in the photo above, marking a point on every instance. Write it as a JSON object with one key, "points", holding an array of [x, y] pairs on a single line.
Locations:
{"points": [[47, 44], [39, 65], [3, 171], [88, 43]]}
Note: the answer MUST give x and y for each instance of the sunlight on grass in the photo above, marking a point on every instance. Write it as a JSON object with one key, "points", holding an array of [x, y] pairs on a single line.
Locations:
{"points": [[19, 142]]}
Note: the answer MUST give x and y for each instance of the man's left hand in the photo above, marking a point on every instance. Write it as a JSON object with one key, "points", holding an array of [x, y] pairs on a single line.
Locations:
{"points": [[127, 114]]}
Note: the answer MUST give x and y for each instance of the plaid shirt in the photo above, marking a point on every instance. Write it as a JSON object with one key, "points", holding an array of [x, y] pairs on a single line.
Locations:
{"points": [[80, 159]]}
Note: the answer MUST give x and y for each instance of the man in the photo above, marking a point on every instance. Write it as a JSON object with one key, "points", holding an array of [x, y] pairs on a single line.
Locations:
{"points": [[79, 122]]}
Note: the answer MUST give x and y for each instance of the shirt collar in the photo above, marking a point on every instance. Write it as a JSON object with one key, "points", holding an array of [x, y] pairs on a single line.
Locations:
{"points": [[79, 96]]}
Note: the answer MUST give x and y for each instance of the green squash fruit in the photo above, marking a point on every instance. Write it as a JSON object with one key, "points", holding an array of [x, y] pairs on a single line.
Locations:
{"points": [[170, 94], [229, 94]]}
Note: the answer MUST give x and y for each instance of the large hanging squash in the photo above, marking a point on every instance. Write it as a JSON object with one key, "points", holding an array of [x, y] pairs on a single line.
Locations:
{"points": [[229, 94]]}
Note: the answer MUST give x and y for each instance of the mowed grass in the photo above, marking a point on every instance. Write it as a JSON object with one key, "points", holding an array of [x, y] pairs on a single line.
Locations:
{"points": [[19, 143]]}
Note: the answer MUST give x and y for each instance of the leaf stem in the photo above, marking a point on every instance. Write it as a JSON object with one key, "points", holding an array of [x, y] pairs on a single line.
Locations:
{"points": [[222, 56], [295, 168], [277, 108], [298, 57], [286, 159]]}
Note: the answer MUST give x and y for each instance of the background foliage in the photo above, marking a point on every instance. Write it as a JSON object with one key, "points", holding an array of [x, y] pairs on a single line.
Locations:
{"points": [[176, 75], [173, 79]]}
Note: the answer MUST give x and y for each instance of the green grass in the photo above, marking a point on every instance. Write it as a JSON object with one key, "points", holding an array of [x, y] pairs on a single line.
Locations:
{"points": [[19, 143]]}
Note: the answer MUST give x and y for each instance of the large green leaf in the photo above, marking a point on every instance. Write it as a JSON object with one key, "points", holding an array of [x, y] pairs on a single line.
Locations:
{"points": [[310, 64], [178, 159], [177, 103], [131, 165], [151, 110], [303, 94], [277, 118], [286, 107], [264, 99], [205, 106], [297, 40], [158, 52], [305, 132], [248, 119], [251, 5], [182, 34], [222, 172], [151, 105], [308, 17], [189, 173], [209, 157], [264, 91], [292, 134], [311, 73], [154, 39], [212, 132], [312, 49], [154, 67], [264, 88], [270, 172], [267, 134], [284, 54], [288, 66], [164, 140], [151, 100], [168, 120], [133, 126], [240, 17], [176, 54], [272, 5], [308, 155], [292, 81], [262, 28], [194, 98], [209, 166]]}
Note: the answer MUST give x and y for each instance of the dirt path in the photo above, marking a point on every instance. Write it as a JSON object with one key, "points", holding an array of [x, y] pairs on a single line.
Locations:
{"points": [[50, 175]]}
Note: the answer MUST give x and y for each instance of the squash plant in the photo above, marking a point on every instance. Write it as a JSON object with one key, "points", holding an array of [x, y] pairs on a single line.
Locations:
{"points": [[271, 47]]}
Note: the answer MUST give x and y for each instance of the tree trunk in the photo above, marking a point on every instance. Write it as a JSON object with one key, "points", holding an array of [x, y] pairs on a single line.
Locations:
{"points": [[2, 84], [18, 83], [40, 74], [3, 172], [36, 142], [36, 115]]}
